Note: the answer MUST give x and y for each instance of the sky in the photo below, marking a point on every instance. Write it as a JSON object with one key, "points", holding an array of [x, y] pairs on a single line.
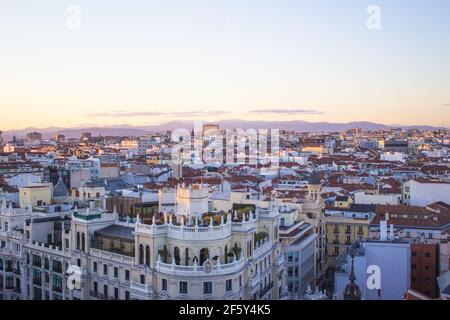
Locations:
{"points": [[149, 62]]}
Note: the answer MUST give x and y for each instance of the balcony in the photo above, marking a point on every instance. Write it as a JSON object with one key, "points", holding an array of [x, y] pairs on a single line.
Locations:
{"points": [[262, 249], [50, 248], [134, 285], [336, 231], [99, 296], [184, 232], [254, 281], [196, 270], [266, 290], [111, 256]]}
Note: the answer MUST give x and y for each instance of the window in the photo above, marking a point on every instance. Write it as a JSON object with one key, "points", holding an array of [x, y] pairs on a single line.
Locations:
{"points": [[105, 290], [36, 261], [57, 283], [95, 286], [290, 271], [57, 266], [164, 284], [207, 287], [95, 266], [290, 256], [66, 242], [127, 275], [141, 254], [427, 254], [116, 293], [78, 241], [183, 287], [147, 256], [142, 279], [105, 269], [79, 262], [116, 272], [127, 295], [229, 285]]}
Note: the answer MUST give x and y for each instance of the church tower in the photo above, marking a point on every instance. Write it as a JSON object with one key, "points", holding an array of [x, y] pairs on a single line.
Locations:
{"points": [[314, 187], [352, 290]]}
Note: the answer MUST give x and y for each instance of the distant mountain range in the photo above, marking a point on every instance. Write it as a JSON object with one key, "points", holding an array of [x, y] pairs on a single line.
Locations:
{"points": [[128, 130]]}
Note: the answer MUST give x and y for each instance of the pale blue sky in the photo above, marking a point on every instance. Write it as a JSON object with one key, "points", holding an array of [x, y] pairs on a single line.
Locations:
{"points": [[133, 61]]}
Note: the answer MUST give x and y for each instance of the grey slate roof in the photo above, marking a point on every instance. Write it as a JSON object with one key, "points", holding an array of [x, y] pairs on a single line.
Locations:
{"points": [[60, 189]]}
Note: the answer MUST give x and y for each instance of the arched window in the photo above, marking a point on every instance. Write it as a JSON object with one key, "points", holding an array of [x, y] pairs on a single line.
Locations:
{"points": [[204, 255], [186, 256], [176, 255], [83, 241], [147, 255], [78, 241], [141, 254]]}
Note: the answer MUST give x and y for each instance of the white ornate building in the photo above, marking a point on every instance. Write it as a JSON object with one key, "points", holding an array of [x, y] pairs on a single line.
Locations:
{"points": [[191, 254]]}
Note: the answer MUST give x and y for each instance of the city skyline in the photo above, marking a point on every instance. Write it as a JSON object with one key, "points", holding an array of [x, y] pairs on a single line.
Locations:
{"points": [[157, 62]]}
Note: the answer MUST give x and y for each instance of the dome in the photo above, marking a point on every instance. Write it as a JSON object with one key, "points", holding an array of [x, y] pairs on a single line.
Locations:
{"points": [[314, 178]]}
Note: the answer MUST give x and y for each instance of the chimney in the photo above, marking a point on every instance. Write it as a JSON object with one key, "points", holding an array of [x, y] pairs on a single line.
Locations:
{"points": [[383, 230]]}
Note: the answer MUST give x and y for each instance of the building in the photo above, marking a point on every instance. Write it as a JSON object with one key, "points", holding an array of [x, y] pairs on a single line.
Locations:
{"points": [[425, 268], [396, 146], [344, 226], [298, 242], [35, 195], [422, 192], [86, 137], [183, 256], [387, 259], [34, 136], [420, 225]]}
